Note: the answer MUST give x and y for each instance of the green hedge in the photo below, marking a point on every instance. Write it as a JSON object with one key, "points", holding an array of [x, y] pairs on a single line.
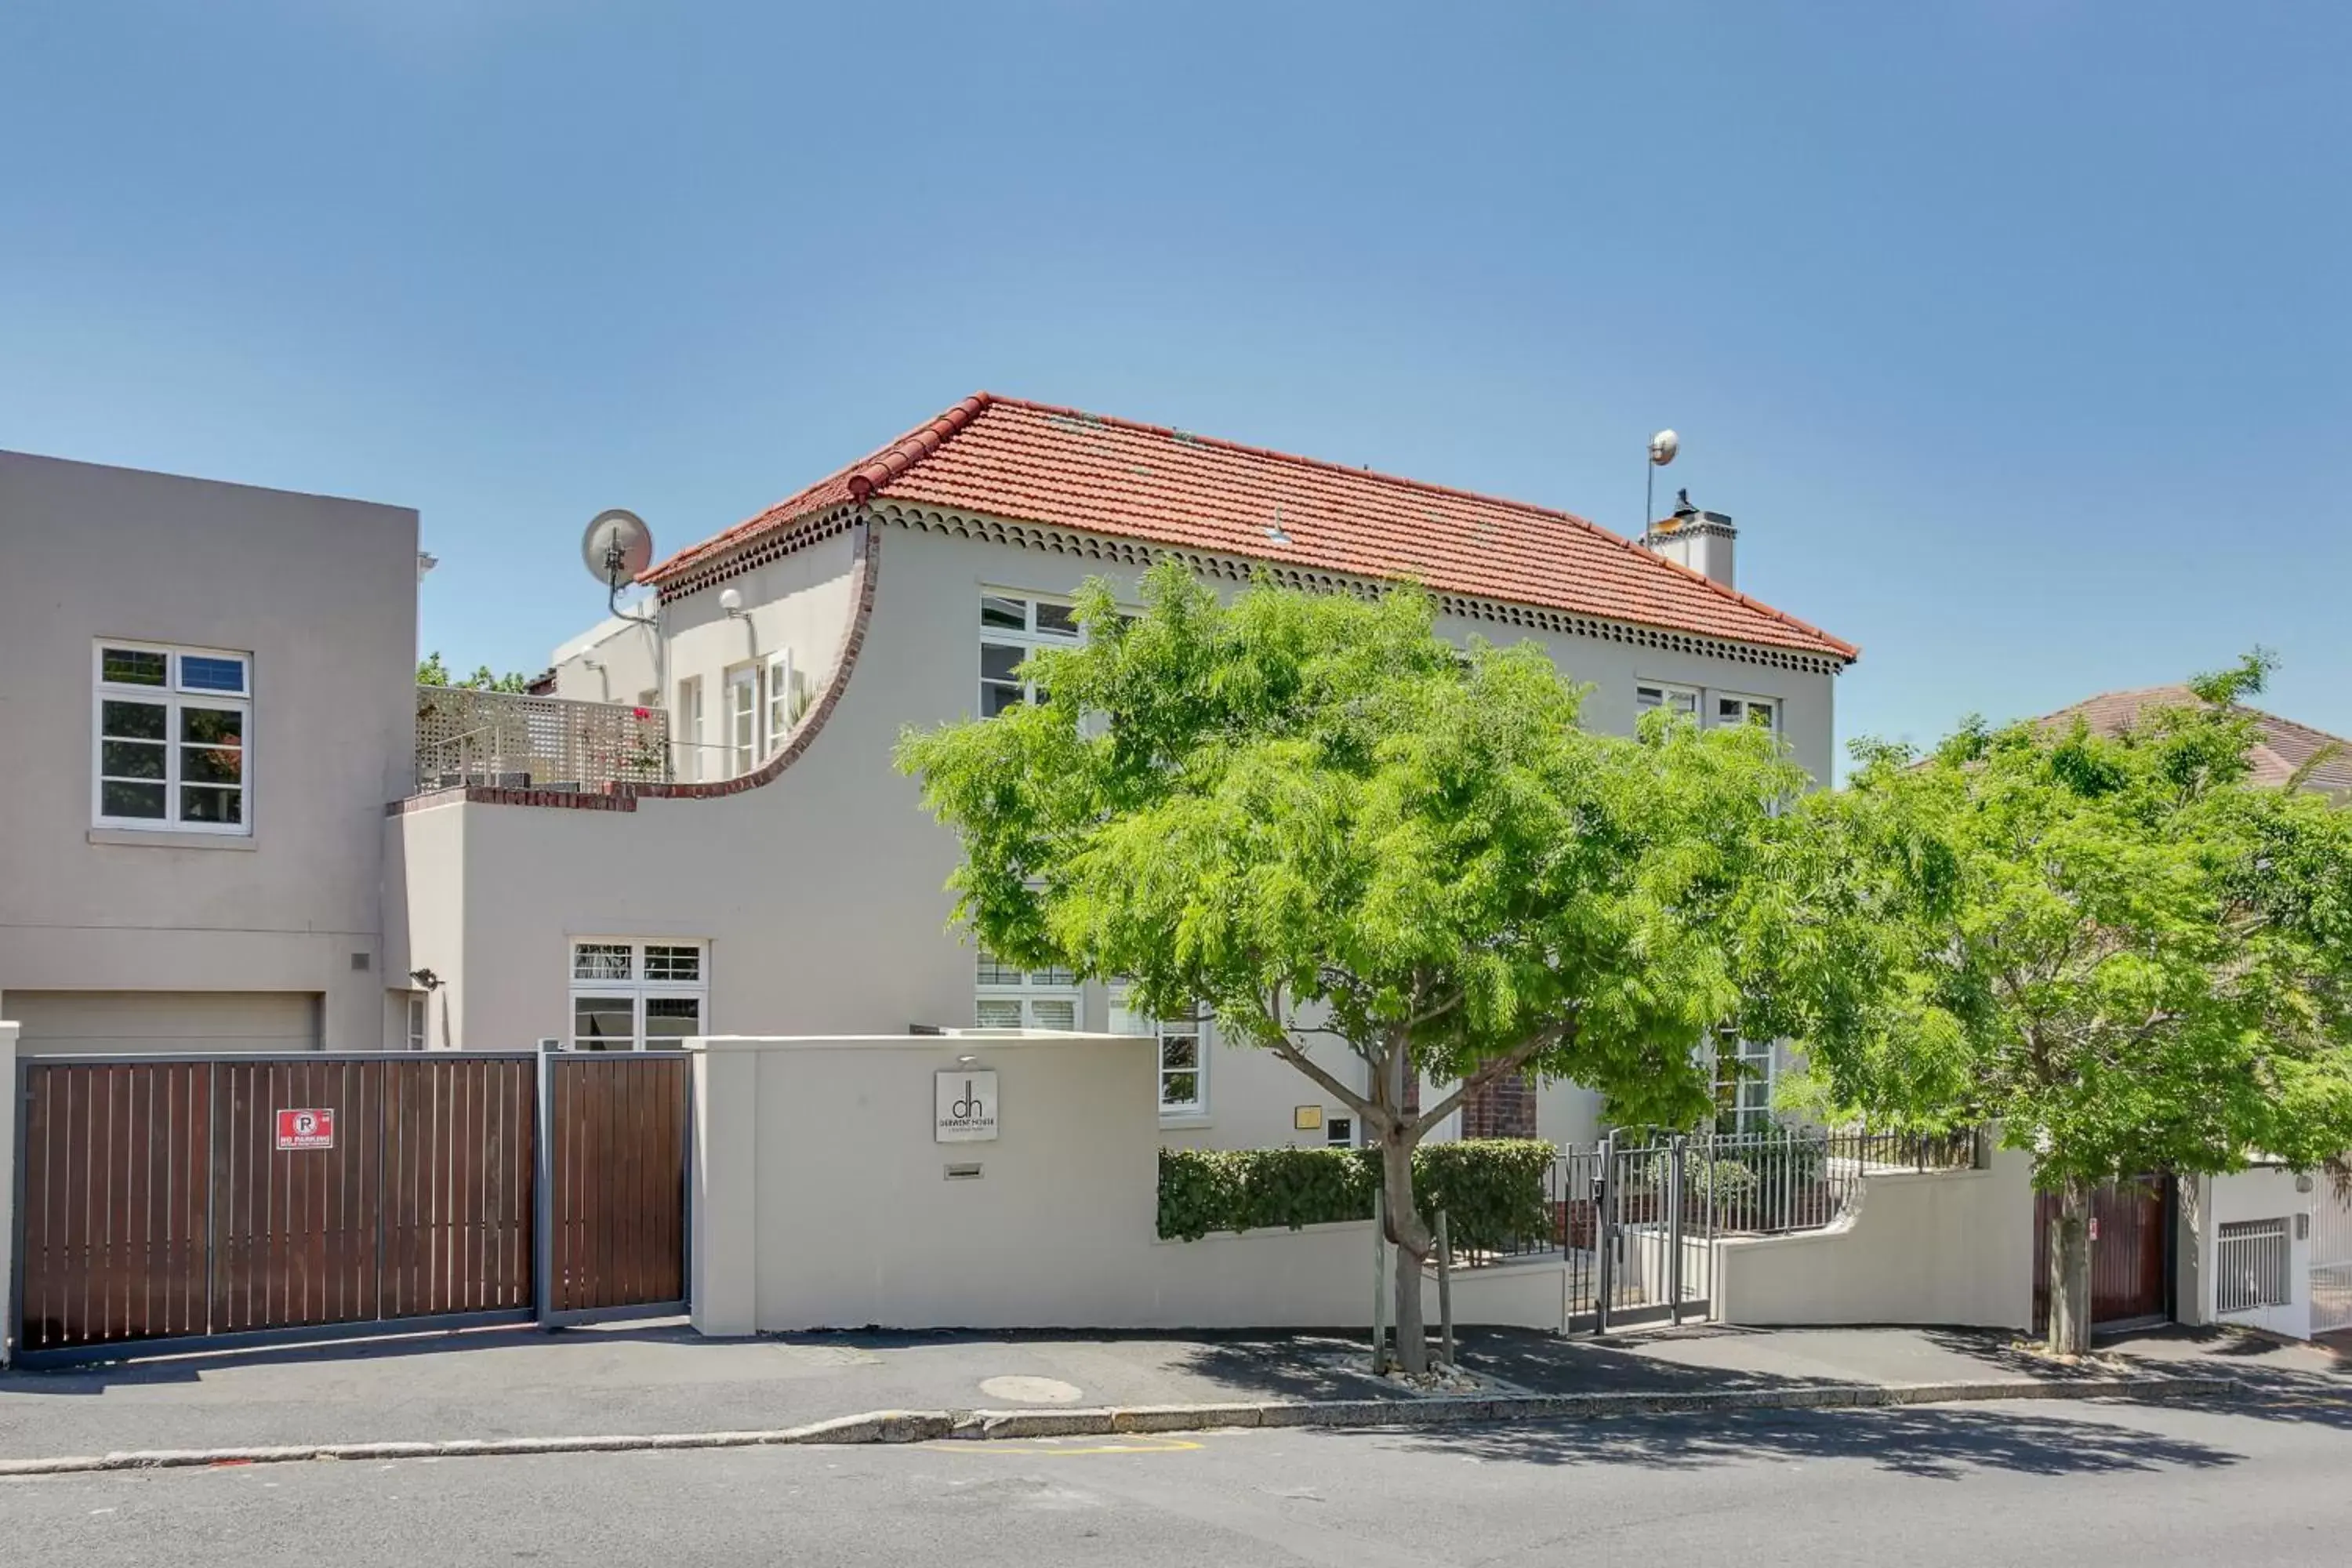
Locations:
{"points": [[1492, 1189]]}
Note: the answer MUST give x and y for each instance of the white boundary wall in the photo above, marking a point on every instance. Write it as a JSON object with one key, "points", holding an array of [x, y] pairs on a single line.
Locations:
{"points": [[822, 1200], [2258, 1194], [1952, 1247]]}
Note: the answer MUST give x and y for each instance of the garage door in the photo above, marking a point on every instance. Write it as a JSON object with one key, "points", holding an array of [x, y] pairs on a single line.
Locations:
{"points": [[74, 1023]]}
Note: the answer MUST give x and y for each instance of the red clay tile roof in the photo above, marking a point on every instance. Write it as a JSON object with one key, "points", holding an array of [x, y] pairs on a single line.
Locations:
{"points": [[2284, 745], [1031, 462]]}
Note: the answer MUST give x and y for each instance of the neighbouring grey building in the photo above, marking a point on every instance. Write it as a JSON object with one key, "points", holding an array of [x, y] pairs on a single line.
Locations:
{"points": [[210, 697]]}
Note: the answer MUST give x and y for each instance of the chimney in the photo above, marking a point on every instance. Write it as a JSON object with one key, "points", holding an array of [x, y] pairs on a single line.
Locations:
{"points": [[1700, 540]]}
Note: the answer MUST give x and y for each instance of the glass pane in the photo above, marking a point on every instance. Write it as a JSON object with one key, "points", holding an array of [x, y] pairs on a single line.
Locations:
{"points": [[1761, 713], [601, 961], [1726, 709], [996, 697], [199, 672], [1179, 1051], [1055, 620], [664, 961], [132, 721], [212, 764], [1648, 697], [1339, 1130], [1048, 1015], [221, 806], [129, 667], [604, 1023], [213, 725], [1009, 613], [1003, 1014], [997, 662], [140, 800], [669, 1019], [1053, 977], [994, 970], [1179, 1088], [130, 759]]}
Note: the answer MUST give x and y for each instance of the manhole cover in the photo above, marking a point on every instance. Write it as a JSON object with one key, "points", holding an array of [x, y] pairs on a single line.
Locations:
{"points": [[1031, 1389]]}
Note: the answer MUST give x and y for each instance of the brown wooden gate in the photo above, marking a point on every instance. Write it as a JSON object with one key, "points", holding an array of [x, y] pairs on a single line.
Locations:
{"points": [[2130, 1272], [160, 1201], [618, 1126]]}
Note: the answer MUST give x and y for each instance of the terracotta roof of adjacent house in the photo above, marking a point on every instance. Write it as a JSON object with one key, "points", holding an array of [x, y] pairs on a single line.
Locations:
{"points": [[1031, 462], [2283, 747]]}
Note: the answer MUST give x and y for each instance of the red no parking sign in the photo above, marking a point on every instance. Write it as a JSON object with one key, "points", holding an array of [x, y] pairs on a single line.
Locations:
{"points": [[312, 1129]]}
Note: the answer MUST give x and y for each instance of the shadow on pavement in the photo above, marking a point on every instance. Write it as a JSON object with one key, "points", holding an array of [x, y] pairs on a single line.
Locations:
{"points": [[1934, 1442]]}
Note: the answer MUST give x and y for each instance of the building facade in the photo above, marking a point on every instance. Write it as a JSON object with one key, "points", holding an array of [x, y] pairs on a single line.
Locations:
{"points": [[212, 695]]}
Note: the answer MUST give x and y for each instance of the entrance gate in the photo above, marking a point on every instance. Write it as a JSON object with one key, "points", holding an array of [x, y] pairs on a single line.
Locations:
{"points": [[215, 1201], [2331, 1257], [2131, 1250]]}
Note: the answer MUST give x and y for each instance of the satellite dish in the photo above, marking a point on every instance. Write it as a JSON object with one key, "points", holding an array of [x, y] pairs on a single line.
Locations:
{"points": [[1662, 448], [617, 547]]}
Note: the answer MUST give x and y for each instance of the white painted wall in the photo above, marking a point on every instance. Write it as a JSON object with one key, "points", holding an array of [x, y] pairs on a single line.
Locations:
{"points": [[322, 593], [822, 892], [822, 1200], [2259, 1194], [1944, 1248]]}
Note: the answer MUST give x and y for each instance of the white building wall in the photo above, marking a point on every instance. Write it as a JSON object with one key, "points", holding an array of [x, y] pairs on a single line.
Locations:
{"points": [[822, 891], [2260, 1193]]}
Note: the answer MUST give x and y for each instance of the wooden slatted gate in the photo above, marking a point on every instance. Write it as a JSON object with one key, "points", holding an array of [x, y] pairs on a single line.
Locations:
{"points": [[616, 1239], [161, 1204], [2131, 1253]]}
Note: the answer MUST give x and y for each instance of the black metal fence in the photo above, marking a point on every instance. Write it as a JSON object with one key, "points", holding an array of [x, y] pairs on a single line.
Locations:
{"points": [[1634, 1216]]}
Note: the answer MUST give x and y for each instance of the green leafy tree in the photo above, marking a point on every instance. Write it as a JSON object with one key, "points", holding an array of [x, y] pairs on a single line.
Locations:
{"points": [[1313, 815], [2116, 946], [432, 672]]}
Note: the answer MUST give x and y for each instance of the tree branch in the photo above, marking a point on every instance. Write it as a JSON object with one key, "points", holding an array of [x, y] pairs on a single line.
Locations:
{"points": [[1487, 1072], [1330, 1085]]}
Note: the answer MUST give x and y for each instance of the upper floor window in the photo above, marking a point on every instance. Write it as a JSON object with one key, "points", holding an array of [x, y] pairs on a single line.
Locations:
{"points": [[1743, 1087], [742, 720], [172, 732], [630, 995], [1763, 711], [1009, 628], [1649, 694], [1011, 998], [1183, 1055], [784, 705]]}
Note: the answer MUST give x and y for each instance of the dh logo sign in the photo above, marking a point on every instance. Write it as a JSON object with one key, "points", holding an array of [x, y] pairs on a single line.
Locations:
{"points": [[312, 1129], [965, 1103]]}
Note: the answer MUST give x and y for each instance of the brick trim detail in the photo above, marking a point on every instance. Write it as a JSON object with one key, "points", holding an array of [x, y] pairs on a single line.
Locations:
{"points": [[623, 796]]}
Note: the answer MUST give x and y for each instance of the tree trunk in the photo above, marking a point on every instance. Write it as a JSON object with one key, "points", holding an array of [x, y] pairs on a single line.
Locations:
{"points": [[1413, 1242], [2070, 1270]]}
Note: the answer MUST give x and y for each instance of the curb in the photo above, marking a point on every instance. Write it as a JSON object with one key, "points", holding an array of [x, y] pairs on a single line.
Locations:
{"points": [[1101, 1421]]}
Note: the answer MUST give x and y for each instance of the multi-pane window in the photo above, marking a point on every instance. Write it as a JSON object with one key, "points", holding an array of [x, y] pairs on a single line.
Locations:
{"points": [[629, 995], [1184, 1055], [1762, 711], [780, 716], [1012, 998], [1743, 1088], [1649, 694], [420, 1011], [1009, 629], [689, 730], [1339, 1132], [173, 731], [743, 721]]}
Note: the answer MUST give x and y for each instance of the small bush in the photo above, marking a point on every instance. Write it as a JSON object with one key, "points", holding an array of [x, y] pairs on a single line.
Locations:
{"points": [[1491, 1188]]}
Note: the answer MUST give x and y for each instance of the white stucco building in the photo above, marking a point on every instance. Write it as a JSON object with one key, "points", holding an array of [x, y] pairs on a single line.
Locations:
{"points": [[786, 877]]}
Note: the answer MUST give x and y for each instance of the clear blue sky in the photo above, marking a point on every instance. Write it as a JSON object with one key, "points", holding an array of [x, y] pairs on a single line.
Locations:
{"points": [[2015, 334]]}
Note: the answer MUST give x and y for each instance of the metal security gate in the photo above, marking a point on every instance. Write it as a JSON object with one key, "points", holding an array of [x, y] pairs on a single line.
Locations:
{"points": [[2331, 1257], [217, 1201], [619, 1125]]}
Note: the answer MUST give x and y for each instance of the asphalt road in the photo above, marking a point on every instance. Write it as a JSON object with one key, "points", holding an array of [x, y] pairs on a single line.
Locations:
{"points": [[2083, 1484]]}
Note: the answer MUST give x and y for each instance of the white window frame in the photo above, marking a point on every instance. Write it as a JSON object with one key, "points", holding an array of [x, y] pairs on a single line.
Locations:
{"points": [[779, 710], [1749, 705], [689, 726], [1029, 635], [1671, 695], [1125, 1020], [177, 698], [419, 1012], [638, 985], [742, 720], [1745, 1093], [1009, 998]]}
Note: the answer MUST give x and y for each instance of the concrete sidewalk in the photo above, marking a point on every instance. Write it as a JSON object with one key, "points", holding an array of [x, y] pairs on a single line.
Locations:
{"points": [[647, 1379]]}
